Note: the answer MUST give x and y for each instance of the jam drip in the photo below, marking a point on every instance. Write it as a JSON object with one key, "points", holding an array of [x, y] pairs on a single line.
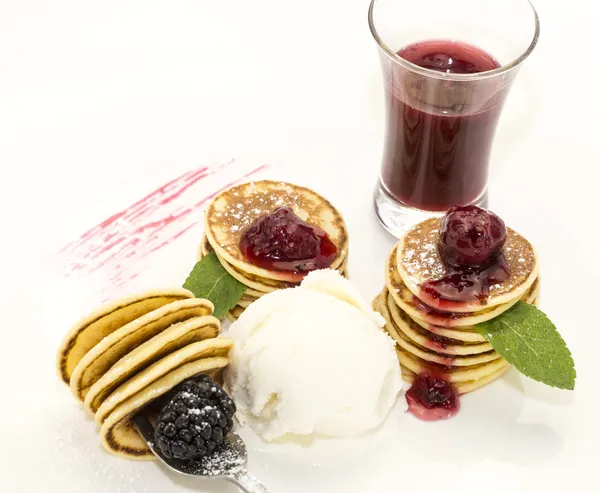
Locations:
{"points": [[431, 398], [470, 246], [281, 241], [467, 283]]}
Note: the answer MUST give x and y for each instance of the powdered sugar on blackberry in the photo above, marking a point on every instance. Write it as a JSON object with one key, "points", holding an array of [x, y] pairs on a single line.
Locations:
{"points": [[224, 461]]}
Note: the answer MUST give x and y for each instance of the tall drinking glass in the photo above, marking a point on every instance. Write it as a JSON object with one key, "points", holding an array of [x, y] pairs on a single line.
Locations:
{"points": [[448, 66]]}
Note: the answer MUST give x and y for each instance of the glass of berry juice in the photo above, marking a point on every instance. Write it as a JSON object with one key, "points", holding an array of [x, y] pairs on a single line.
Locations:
{"points": [[448, 66]]}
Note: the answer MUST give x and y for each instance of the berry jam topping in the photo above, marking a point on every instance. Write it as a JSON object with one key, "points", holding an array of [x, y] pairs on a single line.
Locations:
{"points": [[471, 237], [443, 342], [432, 398], [284, 242], [470, 246]]}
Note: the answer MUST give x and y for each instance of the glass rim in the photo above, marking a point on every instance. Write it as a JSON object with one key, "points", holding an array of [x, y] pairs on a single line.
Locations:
{"points": [[458, 77]]}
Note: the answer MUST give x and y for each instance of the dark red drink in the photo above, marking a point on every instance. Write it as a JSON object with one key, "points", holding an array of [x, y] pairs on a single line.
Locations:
{"points": [[440, 130]]}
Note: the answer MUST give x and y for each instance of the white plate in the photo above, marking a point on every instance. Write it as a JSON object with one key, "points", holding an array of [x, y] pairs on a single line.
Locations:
{"points": [[103, 101], [512, 429]]}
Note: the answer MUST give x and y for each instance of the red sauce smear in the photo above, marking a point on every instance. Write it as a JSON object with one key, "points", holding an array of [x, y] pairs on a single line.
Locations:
{"points": [[115, 247]]}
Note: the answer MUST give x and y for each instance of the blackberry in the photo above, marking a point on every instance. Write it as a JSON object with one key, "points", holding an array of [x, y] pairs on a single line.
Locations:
{"points": [[195, 421]]}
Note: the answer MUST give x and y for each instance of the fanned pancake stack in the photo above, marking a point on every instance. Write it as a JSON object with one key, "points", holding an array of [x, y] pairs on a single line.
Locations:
{"points": [[236, 209], [438, 336], [130, 352]]}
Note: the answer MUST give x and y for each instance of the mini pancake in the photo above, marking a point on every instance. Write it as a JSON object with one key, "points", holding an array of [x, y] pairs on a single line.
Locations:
{"points": [[235, 313], [423, 338], [418, 261], [116, 345], [428, 355], [469, 333], [119, 435], [205, 249], [408, 302], [209, 348], [453, 374], [90, 330], [257, 286], [235, 209], [264, 285], [246, 301], [461, 387], [464, 334], [175, 337]]}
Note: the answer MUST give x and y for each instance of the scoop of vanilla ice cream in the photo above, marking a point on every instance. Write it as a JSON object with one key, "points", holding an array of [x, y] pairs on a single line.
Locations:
{"points": [[313, 360]]}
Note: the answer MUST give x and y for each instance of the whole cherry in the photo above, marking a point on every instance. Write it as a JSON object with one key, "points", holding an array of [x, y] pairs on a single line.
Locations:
{"points": [[471, 236]]}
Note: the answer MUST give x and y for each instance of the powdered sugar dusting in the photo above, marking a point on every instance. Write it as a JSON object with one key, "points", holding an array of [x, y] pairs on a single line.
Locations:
{"points": [[420, 259], [235, 210], [226, 460]]}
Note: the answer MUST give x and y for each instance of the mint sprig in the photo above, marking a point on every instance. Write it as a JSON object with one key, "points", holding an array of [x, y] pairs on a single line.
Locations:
{"points": [[211, 281], [526, 338]]}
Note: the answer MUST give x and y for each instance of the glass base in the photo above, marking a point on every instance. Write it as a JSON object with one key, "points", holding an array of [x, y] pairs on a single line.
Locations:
{"points": [[397, 217]]}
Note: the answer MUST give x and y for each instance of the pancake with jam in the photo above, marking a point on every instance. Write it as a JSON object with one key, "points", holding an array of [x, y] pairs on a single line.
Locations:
{"points": [[425, 314], [452, 374], [418, 361], [275, 231], [429, 264], [408, 329], [442, 279], [446, 352], [462, 332], [461, 387]]}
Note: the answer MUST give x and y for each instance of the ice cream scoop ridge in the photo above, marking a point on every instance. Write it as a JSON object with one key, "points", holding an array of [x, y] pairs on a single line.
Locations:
{"points": [[313, 360]]}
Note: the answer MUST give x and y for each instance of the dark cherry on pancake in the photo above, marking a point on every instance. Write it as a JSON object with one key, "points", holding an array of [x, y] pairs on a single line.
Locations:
{"points": [[281, 241], [470, 246]]}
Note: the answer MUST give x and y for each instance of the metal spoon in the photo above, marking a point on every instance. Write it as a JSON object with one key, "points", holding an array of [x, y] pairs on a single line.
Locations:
{"points": [[228, 463]]}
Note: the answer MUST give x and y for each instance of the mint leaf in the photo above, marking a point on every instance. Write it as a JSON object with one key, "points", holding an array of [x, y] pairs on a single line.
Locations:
{"points": [[211, 281], [526, 338]]}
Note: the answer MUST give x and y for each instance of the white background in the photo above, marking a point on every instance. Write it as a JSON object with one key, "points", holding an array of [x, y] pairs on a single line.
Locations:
{"points": [[101, 97]]}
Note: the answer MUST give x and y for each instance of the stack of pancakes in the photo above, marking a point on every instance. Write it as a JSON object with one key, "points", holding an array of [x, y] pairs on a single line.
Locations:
{"points": [[440, 338], [131, 351], [233, 211]]}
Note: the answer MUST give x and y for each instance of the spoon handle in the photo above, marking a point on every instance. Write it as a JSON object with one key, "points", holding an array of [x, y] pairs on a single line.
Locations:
{"points": [[249, 484]]}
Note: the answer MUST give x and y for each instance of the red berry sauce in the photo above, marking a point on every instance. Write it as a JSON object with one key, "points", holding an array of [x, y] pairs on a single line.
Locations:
{"points": [[281, 241], [470, 245], [431, 398]]}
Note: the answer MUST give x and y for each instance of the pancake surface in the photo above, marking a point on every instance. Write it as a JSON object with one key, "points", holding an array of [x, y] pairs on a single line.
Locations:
{"points": [[236, 209], [415, 333], [170, 340], [210, 348], [90, 330], [418, 261], [113, 347], [411, 304]]}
